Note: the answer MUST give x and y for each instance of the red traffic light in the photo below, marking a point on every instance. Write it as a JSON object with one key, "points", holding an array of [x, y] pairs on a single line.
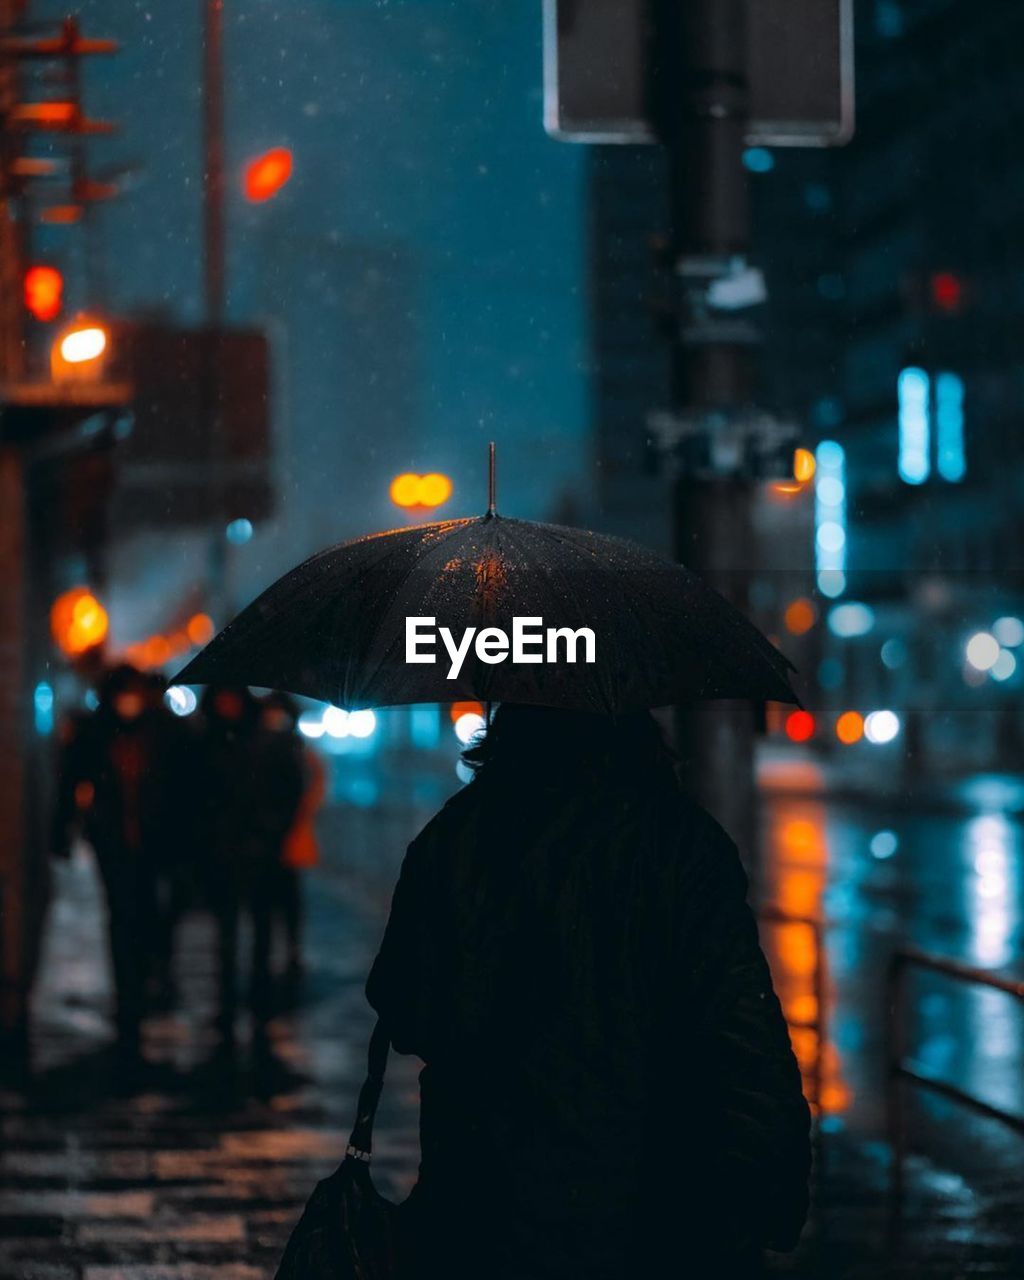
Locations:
{"points": [[800, 726], [947, 292], [43, 292]]}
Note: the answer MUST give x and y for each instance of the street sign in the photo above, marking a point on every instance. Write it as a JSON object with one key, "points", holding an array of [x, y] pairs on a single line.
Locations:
{"points": [[596, 83], [598, 59], [200, 446]]}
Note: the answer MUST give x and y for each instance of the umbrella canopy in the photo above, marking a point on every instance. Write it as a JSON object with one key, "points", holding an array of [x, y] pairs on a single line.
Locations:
{"points": [[335, 628]]}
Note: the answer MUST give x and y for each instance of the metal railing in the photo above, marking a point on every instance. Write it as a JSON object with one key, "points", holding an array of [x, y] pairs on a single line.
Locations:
{"points": [[899, 1070], [817, 1025]]}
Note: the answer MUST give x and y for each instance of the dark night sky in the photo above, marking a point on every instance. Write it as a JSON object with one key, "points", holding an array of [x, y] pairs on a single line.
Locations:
{"points": [[421, 275]]}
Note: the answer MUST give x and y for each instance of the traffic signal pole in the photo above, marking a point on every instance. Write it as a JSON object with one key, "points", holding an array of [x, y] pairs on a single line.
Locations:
{"points": [[703, 112]]}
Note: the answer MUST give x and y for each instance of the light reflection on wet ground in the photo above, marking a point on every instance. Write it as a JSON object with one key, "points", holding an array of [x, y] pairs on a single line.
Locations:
{"points": [[949, 883], [947, 880]]}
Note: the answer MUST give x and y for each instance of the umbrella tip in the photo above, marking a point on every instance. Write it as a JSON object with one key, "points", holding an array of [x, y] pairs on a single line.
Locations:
{"points": [[492, 493]]}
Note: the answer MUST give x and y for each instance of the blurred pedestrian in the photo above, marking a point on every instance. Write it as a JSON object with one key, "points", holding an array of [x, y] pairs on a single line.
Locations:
{"points": [[174, 855], [118, 785], [609, 1080], [253, 783], [300, 849]]}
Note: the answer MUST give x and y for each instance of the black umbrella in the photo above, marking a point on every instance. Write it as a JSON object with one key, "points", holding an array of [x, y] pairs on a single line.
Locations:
{"points": [[336, 627]]}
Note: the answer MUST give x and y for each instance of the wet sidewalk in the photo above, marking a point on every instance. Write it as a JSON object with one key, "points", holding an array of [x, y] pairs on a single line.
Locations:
{"points": [[198, 1170]]}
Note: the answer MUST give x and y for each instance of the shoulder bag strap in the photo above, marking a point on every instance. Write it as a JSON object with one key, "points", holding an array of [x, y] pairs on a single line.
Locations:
{"points": [[360, 1144]]}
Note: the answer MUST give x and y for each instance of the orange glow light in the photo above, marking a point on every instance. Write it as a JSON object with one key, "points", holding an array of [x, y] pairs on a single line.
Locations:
{"points": [[801, 840], [411, 491], [434, 489], [850, 727], [43, 288], [78, 621], [200, 628], [459, 709], [797, 874], [82, 345], [405, 490], [266, 175], [784, 490], [159, 650], [79, 352], [799, 726], [48, 114], [804, 465], [61, 215], [800, 616]]}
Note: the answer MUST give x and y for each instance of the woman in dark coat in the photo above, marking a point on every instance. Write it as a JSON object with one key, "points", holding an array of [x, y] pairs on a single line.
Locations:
{"points": [[122, 775], [609, 1087]]}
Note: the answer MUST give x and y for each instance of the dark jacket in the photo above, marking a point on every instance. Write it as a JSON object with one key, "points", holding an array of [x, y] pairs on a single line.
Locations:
{"points": [[608, 1072], [123, 782], [252, 782]]}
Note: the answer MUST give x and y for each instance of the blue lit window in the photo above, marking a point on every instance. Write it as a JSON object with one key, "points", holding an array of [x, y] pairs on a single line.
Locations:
{"points": [[949, 427], [830, 518], [913, 388]]}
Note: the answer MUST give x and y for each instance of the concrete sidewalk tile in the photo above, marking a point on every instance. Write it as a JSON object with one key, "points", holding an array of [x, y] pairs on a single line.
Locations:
{"points": [[197, 1229]]}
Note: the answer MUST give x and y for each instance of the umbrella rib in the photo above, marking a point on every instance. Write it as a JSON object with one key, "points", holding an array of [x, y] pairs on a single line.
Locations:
{"points": [[750, 637], [417, 567], [683, 641], [549, 532]]}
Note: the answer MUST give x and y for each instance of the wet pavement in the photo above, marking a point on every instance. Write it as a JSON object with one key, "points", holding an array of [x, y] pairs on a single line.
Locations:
{"points": [[196, 1169], [947, 877]]}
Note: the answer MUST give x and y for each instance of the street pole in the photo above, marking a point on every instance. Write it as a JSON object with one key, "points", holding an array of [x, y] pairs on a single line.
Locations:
{"points": [[214, 293], [213, 161], [702, 104], [13, 657], [12, 325], [35, 418]]}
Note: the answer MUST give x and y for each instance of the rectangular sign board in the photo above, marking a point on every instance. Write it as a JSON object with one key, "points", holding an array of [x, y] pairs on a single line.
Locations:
{"points": [[171, 470], [800, 67]]}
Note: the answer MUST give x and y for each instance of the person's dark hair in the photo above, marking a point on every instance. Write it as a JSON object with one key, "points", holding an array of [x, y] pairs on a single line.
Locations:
{"points": [[520, 735]]}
